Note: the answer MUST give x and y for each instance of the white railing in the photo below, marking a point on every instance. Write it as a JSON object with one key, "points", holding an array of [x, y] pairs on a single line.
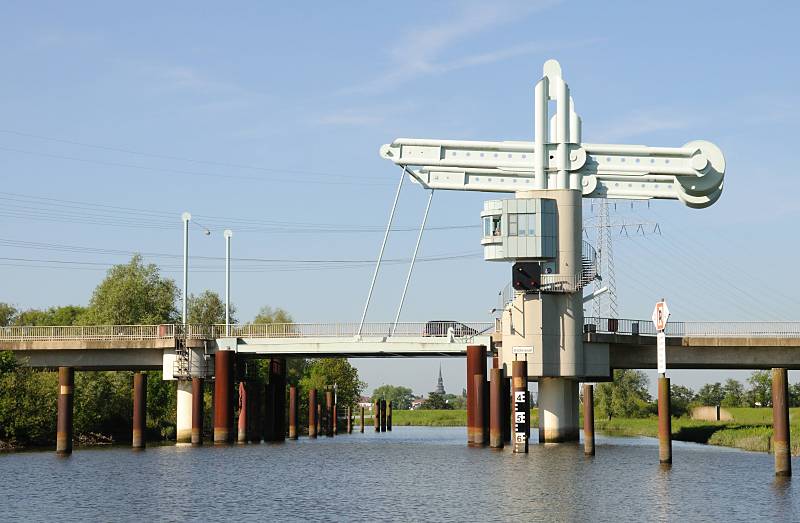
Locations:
{"points": [[88, 332], [457, 330], [700, 329]]}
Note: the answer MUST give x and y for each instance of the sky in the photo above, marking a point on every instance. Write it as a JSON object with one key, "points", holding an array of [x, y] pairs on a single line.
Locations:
{"points": [[266, 118]]}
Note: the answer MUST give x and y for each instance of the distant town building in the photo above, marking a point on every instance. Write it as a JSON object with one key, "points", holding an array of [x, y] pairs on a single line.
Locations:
{"points": [[440, 383]]}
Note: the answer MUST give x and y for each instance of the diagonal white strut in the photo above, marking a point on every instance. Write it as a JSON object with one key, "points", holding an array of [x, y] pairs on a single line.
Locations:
{"points": [[413, 260], [380, 254]]}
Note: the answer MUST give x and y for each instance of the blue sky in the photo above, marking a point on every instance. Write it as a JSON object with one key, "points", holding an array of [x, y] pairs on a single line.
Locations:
{"points": [[267, 118]]}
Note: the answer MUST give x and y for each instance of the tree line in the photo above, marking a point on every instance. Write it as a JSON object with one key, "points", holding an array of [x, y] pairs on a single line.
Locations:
{"points": [[134, 293], [627, 396]]}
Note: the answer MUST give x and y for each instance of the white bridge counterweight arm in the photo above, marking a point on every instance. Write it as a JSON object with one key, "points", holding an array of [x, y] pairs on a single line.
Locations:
{"points": [[692, 174]]}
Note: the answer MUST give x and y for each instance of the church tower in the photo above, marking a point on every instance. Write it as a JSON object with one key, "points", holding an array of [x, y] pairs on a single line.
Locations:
{"points": [[440, 383]]}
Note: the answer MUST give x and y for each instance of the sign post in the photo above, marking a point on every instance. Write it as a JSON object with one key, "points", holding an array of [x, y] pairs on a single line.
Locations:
{"points": [[660, 317]]}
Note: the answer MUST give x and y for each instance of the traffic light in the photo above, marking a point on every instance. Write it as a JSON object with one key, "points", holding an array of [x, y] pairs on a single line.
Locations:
{"points": [[526, 276]]}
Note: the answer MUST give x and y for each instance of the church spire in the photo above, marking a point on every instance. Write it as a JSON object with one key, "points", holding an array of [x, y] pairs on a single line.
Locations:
{"points": [[440, 383]]}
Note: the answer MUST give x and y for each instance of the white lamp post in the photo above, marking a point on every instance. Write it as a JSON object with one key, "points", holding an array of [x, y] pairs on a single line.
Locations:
{"points": [[228, 234], [186, 217]]}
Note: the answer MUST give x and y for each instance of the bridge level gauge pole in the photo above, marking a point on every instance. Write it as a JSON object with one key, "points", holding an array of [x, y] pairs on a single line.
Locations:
{"points": [[66, 386], [223, 396], [139, 410], [664, 421], [522, 411], [496, 408], [312, 413], [197, 411], [588, 419], [292, 412], [780, 423]]}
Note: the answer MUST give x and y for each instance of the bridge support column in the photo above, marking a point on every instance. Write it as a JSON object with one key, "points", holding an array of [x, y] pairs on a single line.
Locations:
{"points": [[329, 422], [588, 419], [558, 410], [312, 413], [66, 388], [139, 410], [197, 411], [292, 412], [476, 364], [376, 415], [255, 406], [479, 389], [664, 421], [268, 425], [780, 423], [496, 408], [319, 418], [389, 416], [522, 409], [278, 376], [223, 396], [383, 415], [183, 418], [241, 434], [362, 419]]}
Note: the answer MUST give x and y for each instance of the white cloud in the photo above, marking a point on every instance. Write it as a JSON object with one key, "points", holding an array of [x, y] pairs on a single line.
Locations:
{"points": [[419, 52]]}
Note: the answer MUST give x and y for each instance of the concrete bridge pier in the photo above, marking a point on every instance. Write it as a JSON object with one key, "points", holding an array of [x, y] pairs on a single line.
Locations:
{"points": [[376, 415], [244, 400], [389, 416], [278, 377], [312, 413], [66, 387], [362, 419], [223, 396], [268, 425], [292, 412], [197, 411], [183, 419], [558, 410], [139, 410], [780, 423], [255, 420], [479, 389], [382, 409], [588, 419]]}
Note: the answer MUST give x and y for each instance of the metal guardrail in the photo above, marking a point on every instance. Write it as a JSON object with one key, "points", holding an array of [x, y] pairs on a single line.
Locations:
{"points": [[700, 329], [458, 330]]}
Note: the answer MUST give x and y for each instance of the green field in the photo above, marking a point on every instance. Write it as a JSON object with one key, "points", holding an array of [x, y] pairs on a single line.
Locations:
{"points": [[751, 428]]}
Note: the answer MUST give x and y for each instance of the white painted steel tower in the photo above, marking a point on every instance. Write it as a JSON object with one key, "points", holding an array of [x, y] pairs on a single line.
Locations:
{"points": [[541, 228]]}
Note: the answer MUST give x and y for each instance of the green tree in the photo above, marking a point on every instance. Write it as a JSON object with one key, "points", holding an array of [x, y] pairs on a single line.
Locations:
{"points": [[399, 396], [327, 372], [733, 394], [207, 309], [7, 314], [625, 397], [794, 395], [710, 394], [269, 315], [435, 401], [456, 402], [680, 397], [133, 293], [760, 388], [65, 315], [27, 403], [103, 404]]}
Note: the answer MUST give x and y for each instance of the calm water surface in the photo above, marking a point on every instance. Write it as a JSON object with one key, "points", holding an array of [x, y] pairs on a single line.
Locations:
{"points": [[410, 474]]}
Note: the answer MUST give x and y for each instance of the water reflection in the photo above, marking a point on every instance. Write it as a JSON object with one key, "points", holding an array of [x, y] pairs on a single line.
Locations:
{"points": [[410, 474]]}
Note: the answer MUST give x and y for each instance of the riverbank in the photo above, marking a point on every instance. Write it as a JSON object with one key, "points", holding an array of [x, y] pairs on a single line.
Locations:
{"points": [[751, 428]]}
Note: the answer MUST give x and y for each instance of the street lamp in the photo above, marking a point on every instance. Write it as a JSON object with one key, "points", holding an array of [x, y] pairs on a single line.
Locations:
{"points": [[228, 234], [186, 217]]}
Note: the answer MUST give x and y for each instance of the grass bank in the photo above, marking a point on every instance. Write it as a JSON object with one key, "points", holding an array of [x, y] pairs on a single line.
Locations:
{"points": [[439, 418], [751, 429]]}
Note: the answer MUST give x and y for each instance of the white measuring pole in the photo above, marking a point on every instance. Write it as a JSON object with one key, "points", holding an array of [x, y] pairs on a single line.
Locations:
{"points": [[380, 254], [413, 259]]}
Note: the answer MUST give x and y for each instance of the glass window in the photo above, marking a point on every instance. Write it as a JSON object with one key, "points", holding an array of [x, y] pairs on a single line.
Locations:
{"points": [[487, 226], [512, 224], [523, 224]]}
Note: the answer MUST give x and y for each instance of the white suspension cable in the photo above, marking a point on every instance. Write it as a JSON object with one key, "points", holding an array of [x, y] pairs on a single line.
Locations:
{"points": [[413, 259], [380, 254]]}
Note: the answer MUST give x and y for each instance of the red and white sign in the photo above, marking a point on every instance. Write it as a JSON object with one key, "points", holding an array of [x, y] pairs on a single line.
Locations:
{"points": [[661, 315]]}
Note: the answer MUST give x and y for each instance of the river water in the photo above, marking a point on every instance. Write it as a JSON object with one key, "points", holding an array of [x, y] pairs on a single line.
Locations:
{"points": [[410, 474]]}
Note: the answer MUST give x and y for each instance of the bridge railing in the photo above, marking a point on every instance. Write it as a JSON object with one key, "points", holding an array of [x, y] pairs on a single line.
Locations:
{"points": [[343, 330], [700, 329], [87, 332]]}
